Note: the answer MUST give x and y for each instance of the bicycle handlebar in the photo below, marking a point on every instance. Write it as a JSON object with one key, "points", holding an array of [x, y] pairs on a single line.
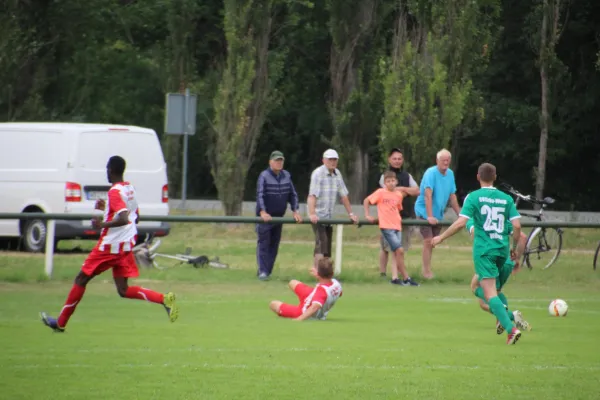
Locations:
{"points": [[515, 192]]}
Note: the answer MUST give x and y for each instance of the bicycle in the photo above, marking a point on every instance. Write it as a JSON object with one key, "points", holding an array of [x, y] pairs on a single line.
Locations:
{"points": [[145, 255], [543, 244]]}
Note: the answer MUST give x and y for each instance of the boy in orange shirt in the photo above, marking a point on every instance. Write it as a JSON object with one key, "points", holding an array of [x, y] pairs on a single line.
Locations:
{"points": [[389, 204]]}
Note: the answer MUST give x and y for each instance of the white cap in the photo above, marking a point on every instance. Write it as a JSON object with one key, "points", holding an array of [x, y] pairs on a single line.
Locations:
{"points": [[330, 153]]}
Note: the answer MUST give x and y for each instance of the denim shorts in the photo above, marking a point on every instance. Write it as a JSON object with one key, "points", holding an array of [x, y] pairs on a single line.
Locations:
{"points": [[393, 237], [406, 232]]}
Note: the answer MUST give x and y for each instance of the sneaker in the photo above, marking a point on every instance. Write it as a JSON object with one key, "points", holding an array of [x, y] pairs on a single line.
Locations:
{"points": [[263, 276], [499, 328], [409, 282], [382, 274], [397, 282], [520, 322], [170, 306], [51, 323], [513, 336]]}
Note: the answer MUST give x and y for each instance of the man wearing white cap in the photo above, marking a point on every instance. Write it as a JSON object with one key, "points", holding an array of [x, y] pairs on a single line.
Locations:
{"points": [[326, 184]]}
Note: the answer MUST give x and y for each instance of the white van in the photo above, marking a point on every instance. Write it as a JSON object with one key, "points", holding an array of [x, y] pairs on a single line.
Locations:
{"points": [[61, 168]]}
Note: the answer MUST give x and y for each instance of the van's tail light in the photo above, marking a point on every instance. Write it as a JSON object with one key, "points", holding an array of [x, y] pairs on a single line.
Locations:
{"points": [[165, 194], [72, 192]]}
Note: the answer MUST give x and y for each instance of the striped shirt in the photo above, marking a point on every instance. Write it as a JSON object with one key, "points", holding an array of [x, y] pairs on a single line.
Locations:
{"points": [[274, 192], [326, 187], [116, 240]]}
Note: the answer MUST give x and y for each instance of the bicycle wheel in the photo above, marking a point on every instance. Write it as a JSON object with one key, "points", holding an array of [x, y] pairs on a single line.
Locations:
{"points": [[543, 247], [596, 255]]}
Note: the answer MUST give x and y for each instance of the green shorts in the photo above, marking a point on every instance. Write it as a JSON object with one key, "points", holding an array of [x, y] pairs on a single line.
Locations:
{"points": [[504, 274], [489, 266]]}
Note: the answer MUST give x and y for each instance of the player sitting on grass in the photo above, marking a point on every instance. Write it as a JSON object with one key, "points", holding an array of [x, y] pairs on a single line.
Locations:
{"points": [[314, 302], [491, 211], [113, 250], [510, 267]]}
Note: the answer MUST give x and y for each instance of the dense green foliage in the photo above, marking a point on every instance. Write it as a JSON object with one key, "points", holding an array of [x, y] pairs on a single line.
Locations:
{"points": [[300, 76]]}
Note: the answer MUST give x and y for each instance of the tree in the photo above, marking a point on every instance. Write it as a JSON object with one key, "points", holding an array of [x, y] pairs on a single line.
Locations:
{"points": [[421, 105], [353, 103], [21, 71], [470, 29], [245, 96], [179, 54], [549, 36]]}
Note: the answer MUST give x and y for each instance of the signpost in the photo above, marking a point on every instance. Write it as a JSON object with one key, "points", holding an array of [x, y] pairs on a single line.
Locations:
{"points": [[180, 119]]}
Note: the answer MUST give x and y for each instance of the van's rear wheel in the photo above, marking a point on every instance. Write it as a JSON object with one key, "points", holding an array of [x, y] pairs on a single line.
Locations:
{"points": [[34, 236]]}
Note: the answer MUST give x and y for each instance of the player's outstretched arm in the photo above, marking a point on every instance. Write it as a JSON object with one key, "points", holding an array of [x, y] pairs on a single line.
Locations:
{"points": [[520, 250], [454, 203], [366, 204], [451, 231], [516, 251], [310, 311]]}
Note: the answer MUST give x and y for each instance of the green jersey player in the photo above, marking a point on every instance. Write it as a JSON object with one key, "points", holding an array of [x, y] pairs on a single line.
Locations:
{"points": [[507, 270], [492, 211]]}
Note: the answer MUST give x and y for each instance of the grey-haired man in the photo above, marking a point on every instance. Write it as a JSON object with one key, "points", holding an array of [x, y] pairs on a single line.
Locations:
{"points": [[326, 184]]}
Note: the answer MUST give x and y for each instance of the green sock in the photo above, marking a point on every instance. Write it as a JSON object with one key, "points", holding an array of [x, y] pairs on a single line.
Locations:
{"points": [[501, 313], [479, 293], [504, 301]]}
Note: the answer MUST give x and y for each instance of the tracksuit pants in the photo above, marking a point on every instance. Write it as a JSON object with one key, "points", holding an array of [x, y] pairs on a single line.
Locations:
{"points": [[269, 236]]}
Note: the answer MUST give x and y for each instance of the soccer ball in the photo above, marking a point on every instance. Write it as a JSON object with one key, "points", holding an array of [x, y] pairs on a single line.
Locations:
{"points": [[558, 308]]}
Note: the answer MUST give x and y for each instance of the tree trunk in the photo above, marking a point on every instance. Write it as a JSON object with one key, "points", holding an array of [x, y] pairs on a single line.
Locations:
{"points": [[455, 149], [349, 91], [232, 199], [358, 178], [244, 98], [545, 116], [544, 122]]}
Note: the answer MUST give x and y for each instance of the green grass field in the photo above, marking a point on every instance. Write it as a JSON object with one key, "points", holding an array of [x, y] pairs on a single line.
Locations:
{"points": [[379, 342]]}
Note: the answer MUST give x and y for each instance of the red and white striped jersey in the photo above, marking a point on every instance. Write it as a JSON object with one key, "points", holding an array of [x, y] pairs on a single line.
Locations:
{"points": [[121, 198], [326, 296]]}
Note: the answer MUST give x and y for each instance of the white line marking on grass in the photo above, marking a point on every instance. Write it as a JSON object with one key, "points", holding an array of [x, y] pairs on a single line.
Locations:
{"points": [[571, 310], [191, 350], [451, 300], [461, 300], [511, 299], [408, 367]]}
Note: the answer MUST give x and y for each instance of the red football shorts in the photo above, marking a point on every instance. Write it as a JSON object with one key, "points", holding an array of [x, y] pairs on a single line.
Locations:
{"points": [[294, 311], [123, 265]]}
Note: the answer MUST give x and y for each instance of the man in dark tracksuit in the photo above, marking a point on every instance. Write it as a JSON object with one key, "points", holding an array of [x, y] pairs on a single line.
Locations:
{"points": [[274, 190]]}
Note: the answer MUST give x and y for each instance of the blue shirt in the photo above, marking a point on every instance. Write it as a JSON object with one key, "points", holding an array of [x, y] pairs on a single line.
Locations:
{"points": [[273, 192], [442, 186]]}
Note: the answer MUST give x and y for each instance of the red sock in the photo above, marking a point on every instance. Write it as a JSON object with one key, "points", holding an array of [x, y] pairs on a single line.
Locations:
{"points": [[140, 293], [73, 299]]}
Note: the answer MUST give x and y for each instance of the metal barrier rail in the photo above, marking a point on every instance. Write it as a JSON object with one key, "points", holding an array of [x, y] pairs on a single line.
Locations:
{"points": [[275, 220], [339, 222]]}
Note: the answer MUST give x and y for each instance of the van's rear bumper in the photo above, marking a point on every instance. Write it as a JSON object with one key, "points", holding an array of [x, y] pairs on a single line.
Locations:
{"points": [[76, 230]]}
